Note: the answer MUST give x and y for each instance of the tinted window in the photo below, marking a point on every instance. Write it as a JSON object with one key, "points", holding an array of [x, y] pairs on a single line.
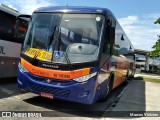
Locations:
{"points": [[76, 36], [122, 43], [6, 27]]}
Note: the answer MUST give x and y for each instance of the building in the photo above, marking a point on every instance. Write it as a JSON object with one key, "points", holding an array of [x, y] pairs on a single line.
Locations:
{"points": [[146, 64]]}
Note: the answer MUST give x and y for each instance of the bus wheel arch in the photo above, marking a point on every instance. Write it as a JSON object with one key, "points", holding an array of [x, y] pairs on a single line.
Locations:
{"points": [[111, 81], [127, 78], [109, 87]]}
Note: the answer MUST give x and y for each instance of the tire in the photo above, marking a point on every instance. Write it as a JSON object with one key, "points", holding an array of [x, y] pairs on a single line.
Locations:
{"points": [[127, 78], [133, 73], [111, 79]]}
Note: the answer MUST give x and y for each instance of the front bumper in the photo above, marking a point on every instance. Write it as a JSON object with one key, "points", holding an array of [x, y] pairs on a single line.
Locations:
{"points": [[65, 90]]}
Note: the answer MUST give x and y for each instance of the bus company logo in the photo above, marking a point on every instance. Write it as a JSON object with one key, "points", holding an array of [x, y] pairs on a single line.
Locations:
{"points": [[50, 66], [6, 114]]}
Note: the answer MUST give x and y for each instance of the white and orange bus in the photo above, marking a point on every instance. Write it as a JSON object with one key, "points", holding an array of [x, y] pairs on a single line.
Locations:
{"points": [[10, 46]]}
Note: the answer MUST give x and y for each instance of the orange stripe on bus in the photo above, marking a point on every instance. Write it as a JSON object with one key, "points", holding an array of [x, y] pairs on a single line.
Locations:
{"points": [[56, 74]]}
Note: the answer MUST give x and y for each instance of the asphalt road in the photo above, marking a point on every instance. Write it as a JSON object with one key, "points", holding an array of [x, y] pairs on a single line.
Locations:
{"points": [[12, 99]]}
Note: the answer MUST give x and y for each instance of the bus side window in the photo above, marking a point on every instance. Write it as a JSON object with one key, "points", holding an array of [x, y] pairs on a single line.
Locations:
{"points": [[106, 48], [21, 24], [106, 52], [108, 42], [6, 27]]}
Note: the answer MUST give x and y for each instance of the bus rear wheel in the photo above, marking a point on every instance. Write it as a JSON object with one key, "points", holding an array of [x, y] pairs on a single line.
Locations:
{"points": [[127, 78]]}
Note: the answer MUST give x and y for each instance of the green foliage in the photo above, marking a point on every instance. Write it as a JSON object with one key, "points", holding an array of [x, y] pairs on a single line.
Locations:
{"points": [[115, 50], [157, 21], [149, 79], [156, 52]]}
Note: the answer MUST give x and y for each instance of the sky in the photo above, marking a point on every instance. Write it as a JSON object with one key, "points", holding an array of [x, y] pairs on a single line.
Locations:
{"points": [[136, 17]]}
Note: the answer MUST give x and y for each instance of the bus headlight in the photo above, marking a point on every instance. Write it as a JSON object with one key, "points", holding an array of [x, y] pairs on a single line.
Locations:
{"points": [[22, 68], [85, 78]]}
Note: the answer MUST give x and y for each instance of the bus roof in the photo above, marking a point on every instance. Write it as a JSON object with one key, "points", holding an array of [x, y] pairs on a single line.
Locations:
{"points": [[74, 9], [9, 10]]}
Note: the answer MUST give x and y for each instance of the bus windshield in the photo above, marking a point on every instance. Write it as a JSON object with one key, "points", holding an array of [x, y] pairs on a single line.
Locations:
{"points": [[55, 36]]}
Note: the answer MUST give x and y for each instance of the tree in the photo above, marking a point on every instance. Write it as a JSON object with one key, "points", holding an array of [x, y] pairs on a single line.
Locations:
{"points": [[157, 21], [156, 52]]}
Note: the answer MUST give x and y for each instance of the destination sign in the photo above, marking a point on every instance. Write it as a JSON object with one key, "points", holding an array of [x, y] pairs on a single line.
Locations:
{"points": [[40, 54]]}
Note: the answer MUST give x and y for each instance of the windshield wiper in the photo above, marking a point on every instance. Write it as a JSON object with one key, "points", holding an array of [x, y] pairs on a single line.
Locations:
{"points": [[58, 39], [68, 60], [51, 36], [50, 42], [36, 55]]}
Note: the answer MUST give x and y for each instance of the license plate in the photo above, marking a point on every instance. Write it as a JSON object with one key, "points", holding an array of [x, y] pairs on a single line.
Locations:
{"points": [[47, 95]]}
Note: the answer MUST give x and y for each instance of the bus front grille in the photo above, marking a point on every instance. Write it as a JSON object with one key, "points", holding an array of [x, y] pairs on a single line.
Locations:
{"points": [[42, 88]]}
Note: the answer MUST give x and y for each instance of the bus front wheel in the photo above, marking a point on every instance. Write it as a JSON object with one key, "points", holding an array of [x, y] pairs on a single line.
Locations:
{"points": [[109, 88]]}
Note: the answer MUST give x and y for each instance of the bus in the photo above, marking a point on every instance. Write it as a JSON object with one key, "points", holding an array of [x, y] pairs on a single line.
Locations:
{"points": [[132, 57], [10, 45], [75, 54]]}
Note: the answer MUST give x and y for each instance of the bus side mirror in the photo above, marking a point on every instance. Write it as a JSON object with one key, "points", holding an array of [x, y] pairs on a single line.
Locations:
{"points": [[112, 35], [21, 26], [110, 30]]}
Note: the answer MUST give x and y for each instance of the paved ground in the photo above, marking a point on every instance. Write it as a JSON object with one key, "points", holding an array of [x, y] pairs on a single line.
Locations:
{"points": [[136, 96], [11, 99], [140, 96], [147, 75]]}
